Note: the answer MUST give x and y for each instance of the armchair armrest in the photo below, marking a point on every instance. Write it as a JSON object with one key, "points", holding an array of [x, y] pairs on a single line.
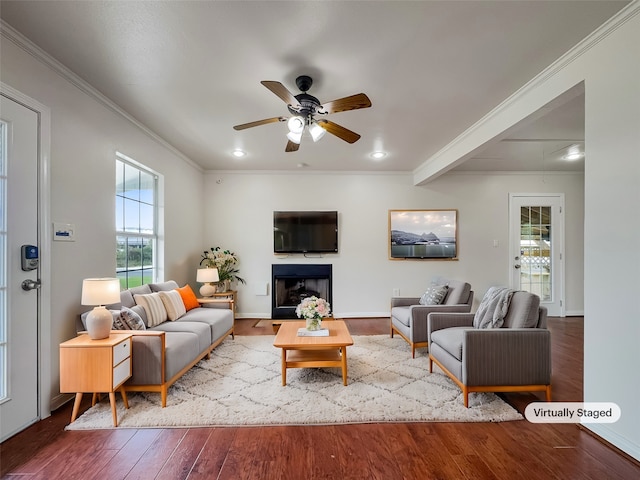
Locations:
{"points": [[443, 319], [440, 320], [404, 301], [420, 314], [506, 356]]}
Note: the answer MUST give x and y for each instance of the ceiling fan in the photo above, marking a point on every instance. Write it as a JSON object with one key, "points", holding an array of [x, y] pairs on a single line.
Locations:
{"points": [[307, 112]]}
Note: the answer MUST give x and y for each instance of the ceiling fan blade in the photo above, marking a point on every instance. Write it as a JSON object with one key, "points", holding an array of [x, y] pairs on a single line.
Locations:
{"points": [[354, 102], [292, 146], [259, 122], [339, 131], [282, 92]]}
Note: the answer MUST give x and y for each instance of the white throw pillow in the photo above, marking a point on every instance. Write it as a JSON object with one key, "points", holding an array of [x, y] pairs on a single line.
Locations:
{"points": [[434, 295], [173, 304], [153, 307]]}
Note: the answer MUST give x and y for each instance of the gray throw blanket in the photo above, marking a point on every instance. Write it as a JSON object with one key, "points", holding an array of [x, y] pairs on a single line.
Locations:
{"points": [[493, 308]]}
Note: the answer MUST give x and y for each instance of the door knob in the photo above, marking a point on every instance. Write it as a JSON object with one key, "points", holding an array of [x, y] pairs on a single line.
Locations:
{"points": [[30, 284], [516, 266]]}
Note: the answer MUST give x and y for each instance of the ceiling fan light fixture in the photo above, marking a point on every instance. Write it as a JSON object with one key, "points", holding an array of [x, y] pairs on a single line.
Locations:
{"points": [[295, 137], [316, 131], [296, 125]]}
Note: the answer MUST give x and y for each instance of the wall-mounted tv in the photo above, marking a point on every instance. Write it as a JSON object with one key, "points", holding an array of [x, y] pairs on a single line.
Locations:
{"points": [[305, 232]]}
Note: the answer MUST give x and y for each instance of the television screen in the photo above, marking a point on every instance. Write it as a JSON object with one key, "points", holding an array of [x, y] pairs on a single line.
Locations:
{"points": [[305, 232]]}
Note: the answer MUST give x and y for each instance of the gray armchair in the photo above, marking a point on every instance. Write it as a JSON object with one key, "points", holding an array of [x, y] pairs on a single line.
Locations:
{"points": [[409, 318], [513, 358]]}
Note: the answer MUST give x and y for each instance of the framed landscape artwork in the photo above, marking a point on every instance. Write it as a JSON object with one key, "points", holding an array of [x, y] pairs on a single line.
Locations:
{"points": [[423, 234]]}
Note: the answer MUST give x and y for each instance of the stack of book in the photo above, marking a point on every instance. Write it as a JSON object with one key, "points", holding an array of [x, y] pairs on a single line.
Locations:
{"points": [[303, 332]]}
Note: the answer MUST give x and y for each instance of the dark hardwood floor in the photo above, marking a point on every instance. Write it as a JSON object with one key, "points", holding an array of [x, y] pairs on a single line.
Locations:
{"points": [[504, 450]]}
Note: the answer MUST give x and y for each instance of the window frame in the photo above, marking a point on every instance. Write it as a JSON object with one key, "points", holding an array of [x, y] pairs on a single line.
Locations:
{"points": [[153, 238]]}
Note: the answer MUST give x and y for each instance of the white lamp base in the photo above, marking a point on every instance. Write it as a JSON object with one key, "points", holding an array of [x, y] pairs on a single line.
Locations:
{"points": [[207, 290], [99, 321]]}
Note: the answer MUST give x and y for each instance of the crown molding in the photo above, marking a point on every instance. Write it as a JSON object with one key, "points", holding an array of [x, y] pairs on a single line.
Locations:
{"points": [[11, 34], [421, 174]]}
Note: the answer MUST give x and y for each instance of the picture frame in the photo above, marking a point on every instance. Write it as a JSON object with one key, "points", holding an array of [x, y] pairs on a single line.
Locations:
{"points": [[423, 234]]}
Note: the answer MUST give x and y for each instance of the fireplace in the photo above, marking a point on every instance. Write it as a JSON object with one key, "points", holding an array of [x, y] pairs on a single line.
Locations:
{"points": [[292, 283]]}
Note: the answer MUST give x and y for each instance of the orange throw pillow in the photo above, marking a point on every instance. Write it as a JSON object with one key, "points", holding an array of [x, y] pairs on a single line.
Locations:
{"points": [[188, 297]]}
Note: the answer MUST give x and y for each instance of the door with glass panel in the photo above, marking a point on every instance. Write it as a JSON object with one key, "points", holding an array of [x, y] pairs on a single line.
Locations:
{"points": [[537, 247], [19, 294]]}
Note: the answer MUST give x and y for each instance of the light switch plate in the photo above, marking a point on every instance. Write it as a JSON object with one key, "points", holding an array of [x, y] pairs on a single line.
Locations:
{"points": [[64, 232]]}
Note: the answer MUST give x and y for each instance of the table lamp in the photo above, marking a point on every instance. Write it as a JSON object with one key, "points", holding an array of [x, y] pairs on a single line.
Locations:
{"points": [[100, 292], [208, 276]]}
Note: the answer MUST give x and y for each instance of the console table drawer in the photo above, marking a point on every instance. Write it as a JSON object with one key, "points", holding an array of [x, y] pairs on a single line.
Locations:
{"points": [[121, 351], [121, 373]]}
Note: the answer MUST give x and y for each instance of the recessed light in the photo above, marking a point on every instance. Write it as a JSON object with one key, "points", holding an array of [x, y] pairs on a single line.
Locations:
{"points": [[573, 153], [239, 153], [378, 155]]}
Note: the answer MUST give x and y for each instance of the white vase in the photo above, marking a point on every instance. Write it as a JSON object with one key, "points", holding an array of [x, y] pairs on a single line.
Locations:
{"points": [[223, 286]]}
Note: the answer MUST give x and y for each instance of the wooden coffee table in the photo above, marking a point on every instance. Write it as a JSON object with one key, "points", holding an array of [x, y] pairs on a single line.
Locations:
{"points": [[313, 352]]}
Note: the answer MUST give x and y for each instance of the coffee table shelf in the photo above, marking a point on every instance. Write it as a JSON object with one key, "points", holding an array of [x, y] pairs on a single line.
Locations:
{"points": [[313, 352]]}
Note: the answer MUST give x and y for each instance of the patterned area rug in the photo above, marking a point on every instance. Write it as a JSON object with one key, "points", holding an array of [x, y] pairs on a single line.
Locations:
{"points": [[242, 385]]}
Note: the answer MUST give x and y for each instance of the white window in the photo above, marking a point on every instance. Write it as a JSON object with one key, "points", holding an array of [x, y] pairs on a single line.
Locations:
{"points": [[137, 255]]}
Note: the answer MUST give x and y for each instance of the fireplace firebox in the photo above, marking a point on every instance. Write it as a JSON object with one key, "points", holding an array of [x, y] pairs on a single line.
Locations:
{"points": [[292, 283]]}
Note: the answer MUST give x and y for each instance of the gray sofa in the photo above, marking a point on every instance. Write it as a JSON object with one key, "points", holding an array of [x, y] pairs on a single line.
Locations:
{"points": [[161, 354]]}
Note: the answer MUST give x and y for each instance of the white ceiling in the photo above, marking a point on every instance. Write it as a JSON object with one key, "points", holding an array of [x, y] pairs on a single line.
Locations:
{"points": [[190, 70]]}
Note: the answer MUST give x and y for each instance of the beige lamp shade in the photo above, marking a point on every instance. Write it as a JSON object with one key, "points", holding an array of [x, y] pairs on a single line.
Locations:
{"points": [[207, 275], [100, 291]]}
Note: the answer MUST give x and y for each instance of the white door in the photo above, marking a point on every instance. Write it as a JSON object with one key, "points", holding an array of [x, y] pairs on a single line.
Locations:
{"points": [[19, 400], [537, 247]]}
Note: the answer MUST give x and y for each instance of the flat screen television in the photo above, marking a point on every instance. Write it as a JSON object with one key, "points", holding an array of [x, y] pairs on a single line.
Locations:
{"points": [[305, 232]]}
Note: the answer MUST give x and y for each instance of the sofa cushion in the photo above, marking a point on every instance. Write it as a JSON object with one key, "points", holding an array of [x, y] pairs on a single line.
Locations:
{"points": [[457, 293], [188, 297], [199, 329], [434, 295], [140, 290], [153, 307], [450, 340], [402, 314], [163, 286], [220, 320], [126, 299], [523, 311], [173, 304], [127, 319]]}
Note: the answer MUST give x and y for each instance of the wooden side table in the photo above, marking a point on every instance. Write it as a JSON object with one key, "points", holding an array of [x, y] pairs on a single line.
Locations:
{"points": [[230, 297], [96, 366]]}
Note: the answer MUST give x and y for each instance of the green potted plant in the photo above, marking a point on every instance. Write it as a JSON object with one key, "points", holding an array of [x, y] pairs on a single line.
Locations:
{"points": [[225, 261]]}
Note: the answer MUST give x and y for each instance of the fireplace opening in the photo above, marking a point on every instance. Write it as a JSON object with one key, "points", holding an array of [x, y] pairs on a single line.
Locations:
{"points": [[292, 283]]}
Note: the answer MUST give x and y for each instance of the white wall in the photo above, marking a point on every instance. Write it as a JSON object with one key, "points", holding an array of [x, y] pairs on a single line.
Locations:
{"points": [[241, 219], [608, 62], [85, 135], [612, 231]]}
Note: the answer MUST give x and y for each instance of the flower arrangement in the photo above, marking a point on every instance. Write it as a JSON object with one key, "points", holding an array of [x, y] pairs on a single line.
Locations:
{"points": [[313, 310], [225, 261]]}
